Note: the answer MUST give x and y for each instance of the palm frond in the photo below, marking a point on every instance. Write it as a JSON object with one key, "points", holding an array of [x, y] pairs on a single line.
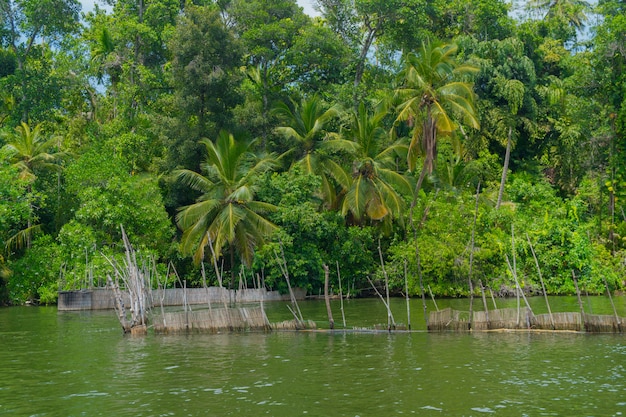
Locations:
{"points": [[194, 180], [22, 238], [191, 214]]}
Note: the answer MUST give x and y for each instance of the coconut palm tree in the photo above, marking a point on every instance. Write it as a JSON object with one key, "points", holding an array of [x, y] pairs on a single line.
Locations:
{"points": [[303, 124], [375, 189], [434, 97], [226, 214], [573, 12], [29, 150]]}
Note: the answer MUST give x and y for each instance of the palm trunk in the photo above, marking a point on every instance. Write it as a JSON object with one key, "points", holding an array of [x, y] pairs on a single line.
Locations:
{"points": [[232, 267]]}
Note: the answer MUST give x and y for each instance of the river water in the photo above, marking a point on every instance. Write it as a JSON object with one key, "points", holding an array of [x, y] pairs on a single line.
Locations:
{"points": [[79, 364]]}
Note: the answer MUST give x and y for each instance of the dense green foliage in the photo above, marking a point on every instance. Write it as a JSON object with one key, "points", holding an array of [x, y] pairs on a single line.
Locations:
{"points": [[446, 139]]}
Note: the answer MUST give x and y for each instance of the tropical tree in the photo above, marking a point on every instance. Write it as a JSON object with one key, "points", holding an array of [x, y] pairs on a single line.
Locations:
{"points": [[436, 94], [506, 84], [304, 126], [562, 14], [226, 214], [22, 25], [375, 189], [205, 74], [29, 151]]}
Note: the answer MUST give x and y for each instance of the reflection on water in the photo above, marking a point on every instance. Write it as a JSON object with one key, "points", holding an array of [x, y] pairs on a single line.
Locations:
{"points": [[75, 364]]}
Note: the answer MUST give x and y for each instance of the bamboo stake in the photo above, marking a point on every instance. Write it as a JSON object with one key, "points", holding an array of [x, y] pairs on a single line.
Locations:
{"points": [[382, 264], [580, 301], [167, 274], [185, 304], [518, 291], [588, 300], [514, 269], [262, 292], [608, 291], [406, 290], [414, 229], [471, 284], [182, 286], [329, 311], [383, 300], [343, 315], [482, 291], [119, 304], [217, 271], [285, 271], [495, 306], [543, 286], [421, 280], [299, 323], [86, 269], [433, 297], [208, 295]]}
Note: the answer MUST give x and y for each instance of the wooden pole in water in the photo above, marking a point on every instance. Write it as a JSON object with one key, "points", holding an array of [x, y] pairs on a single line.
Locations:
{"points": [[208, 295], [432, 297], [493, 299], [580, 301], [514, 270], [471, 284], [389, 314], [608, 291], [543, 286], [406, 290], [519, 291], [482, 291], [185, 301], [382, 264], [331, 322], [285, 271], [516, 290], [343, 314], [588, 300], [217, 271], [417, 247], [119, 303]]}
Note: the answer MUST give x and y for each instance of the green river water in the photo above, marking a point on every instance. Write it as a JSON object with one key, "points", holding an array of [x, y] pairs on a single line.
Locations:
{"points": [[80, 364]]}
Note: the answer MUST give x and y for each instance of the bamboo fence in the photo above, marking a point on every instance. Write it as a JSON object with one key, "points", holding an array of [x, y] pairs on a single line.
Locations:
{"points": [[596, 323], [562, 321], [294, 325], [509, 318], [448, 319], [503, 318], [211, 321]]}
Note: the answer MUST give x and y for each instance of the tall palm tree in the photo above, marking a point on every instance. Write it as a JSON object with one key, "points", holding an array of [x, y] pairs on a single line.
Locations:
{"points": [[304, 125], [226, 212], [434, 97], [29, 150], [375, 188]]}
